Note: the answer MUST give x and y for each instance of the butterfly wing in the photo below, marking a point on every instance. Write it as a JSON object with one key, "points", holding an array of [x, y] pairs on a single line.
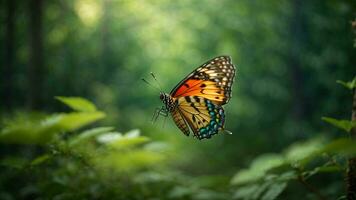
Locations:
{"points": [[180, 121], [198, 115], [212, 80]]}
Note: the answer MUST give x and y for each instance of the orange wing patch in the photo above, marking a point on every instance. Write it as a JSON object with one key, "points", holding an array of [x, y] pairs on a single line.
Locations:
{"points": [[202, 88], [212, 80]]}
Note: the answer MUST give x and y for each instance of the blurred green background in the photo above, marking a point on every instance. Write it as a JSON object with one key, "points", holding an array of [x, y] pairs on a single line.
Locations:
{"points": [[288, 55]]}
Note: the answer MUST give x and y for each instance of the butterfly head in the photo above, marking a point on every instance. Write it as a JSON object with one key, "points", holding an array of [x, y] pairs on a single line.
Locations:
{"points": [[164, 97]]}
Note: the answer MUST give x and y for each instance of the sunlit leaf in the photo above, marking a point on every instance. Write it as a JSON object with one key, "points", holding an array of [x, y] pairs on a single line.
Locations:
{"points": [[300, 153], [133, 133], [344, 146], [89, 134], [73, 121], [205, 194], [258, 168], [23, 128], [40, 131], [270, 188], [286, 176], [180, 192], [119, 141], [157, 146], [345, 125], [109, 137], [328, 169], [247, 192], [151, 177], [14, 162], [78, 103], [210, 181], [350, 85], [40, 159], [322, 169], [125, 142], [274, 190], [127, 161]]}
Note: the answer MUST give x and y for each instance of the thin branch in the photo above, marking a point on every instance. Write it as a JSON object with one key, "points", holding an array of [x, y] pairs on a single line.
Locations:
{"points": [[351, 170], [311, 188]]}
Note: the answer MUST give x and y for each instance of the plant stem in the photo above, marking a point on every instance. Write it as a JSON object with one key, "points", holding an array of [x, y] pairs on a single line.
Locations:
{"points": [[351, 170], [310, 188]]}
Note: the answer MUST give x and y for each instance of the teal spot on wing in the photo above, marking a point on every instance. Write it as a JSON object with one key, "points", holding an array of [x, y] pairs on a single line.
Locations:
{"points": [[216, 122]]}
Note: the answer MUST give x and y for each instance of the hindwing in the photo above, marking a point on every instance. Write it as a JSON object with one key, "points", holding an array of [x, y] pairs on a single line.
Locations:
{"points": [[199, 115]]}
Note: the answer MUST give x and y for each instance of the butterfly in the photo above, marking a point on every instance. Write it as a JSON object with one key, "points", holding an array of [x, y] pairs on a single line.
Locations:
{"points": [[195, 104]]}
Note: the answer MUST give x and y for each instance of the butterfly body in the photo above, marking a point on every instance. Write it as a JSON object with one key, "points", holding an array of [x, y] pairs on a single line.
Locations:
{"points": [[196, 102], [169, 102]]}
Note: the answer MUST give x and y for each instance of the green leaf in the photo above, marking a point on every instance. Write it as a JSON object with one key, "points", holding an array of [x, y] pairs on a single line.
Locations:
{"points": [[148, 177], [157, 147], [40, 131], [133, 133], [89, 134], [322, 169], [180, 192], [345, 125], [248, 192], [14, 162], [20, 127], [40, 159], [126, 142], [205, 194], [109, 137], [126, 161], [73, 121], [286, 176], [258, 168], [274, 190], [78, 103], [24, 128], [119, 141], [344, 146], [350, 85], [299, 154], [271, 187]]}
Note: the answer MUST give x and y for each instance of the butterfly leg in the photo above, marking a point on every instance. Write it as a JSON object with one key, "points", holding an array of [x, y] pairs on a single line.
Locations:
{"points": [[165, 119], [155, 115], [159, 111]]}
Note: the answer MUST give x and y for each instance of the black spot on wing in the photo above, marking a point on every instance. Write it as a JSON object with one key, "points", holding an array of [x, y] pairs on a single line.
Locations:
{"points": [[187, 98]]}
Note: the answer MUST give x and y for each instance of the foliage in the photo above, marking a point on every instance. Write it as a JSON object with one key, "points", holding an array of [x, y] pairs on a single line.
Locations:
{"points": [[101, 162], [349, 85], [346, 125], [269, 174], [98, 157], [41, 129], [68, 149]]}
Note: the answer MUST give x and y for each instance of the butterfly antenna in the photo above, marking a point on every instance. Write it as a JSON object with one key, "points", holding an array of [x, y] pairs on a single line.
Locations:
{"points": [[154, 77], [144, 80]]}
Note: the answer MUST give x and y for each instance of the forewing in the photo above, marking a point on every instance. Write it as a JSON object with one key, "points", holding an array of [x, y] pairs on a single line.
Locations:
{"points": [[212, 80]]}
